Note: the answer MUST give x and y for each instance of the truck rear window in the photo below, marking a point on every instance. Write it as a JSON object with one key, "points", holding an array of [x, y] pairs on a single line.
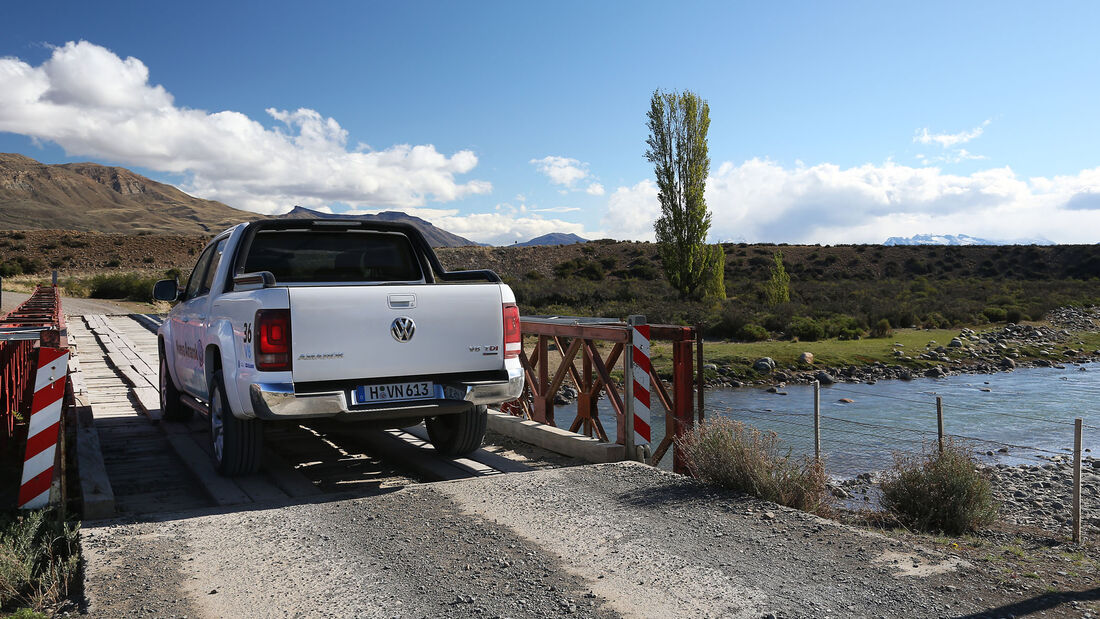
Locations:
{"points": [[315, 256]]}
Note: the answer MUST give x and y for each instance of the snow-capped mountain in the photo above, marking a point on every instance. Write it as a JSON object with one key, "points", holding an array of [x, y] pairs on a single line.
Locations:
{"points": [[958, 239]]}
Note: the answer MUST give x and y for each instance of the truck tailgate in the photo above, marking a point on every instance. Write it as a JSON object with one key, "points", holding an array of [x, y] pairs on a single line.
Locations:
{"points": [[346, 332]]}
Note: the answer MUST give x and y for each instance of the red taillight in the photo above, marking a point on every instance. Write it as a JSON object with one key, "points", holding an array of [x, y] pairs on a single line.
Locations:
{"points": [[512, 338], [272, 335]]}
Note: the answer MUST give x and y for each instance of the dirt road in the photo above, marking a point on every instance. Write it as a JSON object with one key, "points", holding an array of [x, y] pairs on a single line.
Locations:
{"points": [[72, 306], [594, 541]]}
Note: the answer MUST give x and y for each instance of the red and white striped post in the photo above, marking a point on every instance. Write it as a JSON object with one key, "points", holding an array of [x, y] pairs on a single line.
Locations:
{"points": [[637, 386], [44, 427]]}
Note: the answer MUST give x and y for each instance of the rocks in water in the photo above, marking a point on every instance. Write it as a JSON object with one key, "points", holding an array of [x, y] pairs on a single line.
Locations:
{"points": [[824, 378], [1008, 364], [764, 365], [806, 357], [845, 400], [935, 372]]}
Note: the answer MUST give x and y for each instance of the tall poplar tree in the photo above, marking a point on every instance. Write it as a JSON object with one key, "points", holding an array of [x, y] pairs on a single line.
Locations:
{"points": [[678, 125]]}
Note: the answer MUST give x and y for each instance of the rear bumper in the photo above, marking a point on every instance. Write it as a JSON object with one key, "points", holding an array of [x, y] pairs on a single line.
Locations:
{"points": [[280, 401]]}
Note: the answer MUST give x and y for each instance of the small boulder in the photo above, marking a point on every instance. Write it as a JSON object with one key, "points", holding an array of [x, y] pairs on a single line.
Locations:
{"points": [[710, 366], [935, 372], [764, 365], [1008, 364], [845, 400], [824, 378], [955, 343], [806, 357]]}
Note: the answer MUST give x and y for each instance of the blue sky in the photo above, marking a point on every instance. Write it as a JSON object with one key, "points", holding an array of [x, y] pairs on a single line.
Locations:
{"points": [[838, 122]]}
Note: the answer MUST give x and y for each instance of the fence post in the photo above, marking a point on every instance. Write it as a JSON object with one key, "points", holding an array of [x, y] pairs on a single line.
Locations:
{"points": [[700, 388], [1077, 480], [54, 279], [939, 420], [817, 420]]}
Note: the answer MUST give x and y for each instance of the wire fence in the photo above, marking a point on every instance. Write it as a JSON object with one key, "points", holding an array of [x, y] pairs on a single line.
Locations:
{"points": [[862, 442]]}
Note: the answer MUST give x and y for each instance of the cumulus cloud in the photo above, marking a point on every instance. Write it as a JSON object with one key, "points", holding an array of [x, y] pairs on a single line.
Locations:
{"points": [[631, 212], [760, 200], [568, 173], [93, 103]]}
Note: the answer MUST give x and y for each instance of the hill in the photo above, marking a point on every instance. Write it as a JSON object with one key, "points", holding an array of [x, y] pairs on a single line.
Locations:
{"points": [[436, 237], [554, 238], [97, 198]]}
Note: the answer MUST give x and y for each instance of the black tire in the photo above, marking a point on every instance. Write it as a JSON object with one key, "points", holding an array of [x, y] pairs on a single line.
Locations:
{"points": [[241, 444], [170, 406], [458, 434]]}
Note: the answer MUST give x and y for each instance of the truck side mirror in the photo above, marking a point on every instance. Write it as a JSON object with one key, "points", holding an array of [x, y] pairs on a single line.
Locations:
{"points": [[166, 290]]}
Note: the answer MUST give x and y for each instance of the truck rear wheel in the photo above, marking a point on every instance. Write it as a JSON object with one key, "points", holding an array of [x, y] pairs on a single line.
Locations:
{"points": [[170, 406], [458, 434], [237, 443]]}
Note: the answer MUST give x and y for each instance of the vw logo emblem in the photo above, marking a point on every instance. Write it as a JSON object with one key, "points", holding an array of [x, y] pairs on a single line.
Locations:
{"points": [[402, 329]]}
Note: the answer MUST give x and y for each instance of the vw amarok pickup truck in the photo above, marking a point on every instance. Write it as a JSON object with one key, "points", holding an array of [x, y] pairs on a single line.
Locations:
{"points": [[351, 320]]}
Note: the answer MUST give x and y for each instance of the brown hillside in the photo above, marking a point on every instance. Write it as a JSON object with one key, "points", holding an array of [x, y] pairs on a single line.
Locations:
{"points": [[97, 198]]}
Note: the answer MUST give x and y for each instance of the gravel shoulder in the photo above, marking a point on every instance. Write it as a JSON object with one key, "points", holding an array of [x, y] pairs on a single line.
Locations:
{"points": [[590, 541]]}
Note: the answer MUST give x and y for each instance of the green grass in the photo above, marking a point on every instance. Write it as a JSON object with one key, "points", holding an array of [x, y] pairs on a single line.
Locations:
{"points": [[831, 352], [39, 560]]}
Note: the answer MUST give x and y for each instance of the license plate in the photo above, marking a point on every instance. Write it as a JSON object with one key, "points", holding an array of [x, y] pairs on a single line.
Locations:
{"points": [[395, 392]]}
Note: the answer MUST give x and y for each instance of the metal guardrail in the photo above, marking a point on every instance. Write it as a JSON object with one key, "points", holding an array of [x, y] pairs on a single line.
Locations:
{"points": [[38, 319]]}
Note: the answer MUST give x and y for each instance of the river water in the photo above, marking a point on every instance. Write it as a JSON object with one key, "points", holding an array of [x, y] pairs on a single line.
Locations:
{"points": [[1029, 411]]}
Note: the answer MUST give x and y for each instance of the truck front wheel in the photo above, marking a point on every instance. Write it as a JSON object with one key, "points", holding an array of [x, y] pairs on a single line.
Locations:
{"points": [[237, 443], [460, 433]]}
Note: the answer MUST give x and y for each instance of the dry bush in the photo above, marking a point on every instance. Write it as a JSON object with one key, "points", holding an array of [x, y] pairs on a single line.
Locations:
{"points": [[39, 560], [732, 455], [939, 491]]}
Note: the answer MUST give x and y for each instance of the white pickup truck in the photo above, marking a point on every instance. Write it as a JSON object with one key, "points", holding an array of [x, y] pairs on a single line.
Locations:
{"points": [[351, 320]]}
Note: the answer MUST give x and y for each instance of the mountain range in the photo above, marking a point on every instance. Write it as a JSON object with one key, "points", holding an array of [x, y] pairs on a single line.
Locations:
{"points": [[436, 237], [554, 238], [97, 198], [957, 239]]}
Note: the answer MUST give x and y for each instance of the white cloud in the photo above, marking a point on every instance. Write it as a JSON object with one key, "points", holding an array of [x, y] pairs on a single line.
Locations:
{"points": [[506, 225], [561, 170], [631, 212], [947, 140], [93, 103], [568, 173], [760, 200]]}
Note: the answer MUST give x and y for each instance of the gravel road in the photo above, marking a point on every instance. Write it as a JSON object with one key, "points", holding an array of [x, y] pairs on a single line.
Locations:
{"points": [[71, 305], [593, 541]]}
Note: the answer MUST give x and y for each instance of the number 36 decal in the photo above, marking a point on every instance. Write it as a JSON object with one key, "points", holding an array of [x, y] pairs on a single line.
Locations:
{"points": [[247, 337]]}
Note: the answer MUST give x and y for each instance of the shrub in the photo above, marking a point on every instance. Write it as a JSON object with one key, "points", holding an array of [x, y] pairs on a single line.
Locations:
{"points": [[19, 236], [995, 314], [1014, 314], [806, 329], [729, 454], [129, 286], [39, 559], [882, 329], [939, 491], [752, 333]]}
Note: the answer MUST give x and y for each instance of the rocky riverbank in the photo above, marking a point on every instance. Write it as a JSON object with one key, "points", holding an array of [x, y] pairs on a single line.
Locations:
{"points": [[1003, 349], [1037, 496], [1041, 495]]}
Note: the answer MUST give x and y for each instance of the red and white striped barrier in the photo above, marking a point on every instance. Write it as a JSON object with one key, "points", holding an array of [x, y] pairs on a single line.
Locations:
{"points": [[49, 393], [641, 384]]}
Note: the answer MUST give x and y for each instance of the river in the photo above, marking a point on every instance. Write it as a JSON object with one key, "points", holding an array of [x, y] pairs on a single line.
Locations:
{"points": [[1029, 411]]}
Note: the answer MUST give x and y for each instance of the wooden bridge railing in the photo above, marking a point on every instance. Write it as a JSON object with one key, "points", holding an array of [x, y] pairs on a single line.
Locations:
{"points": [[574, 337]]}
